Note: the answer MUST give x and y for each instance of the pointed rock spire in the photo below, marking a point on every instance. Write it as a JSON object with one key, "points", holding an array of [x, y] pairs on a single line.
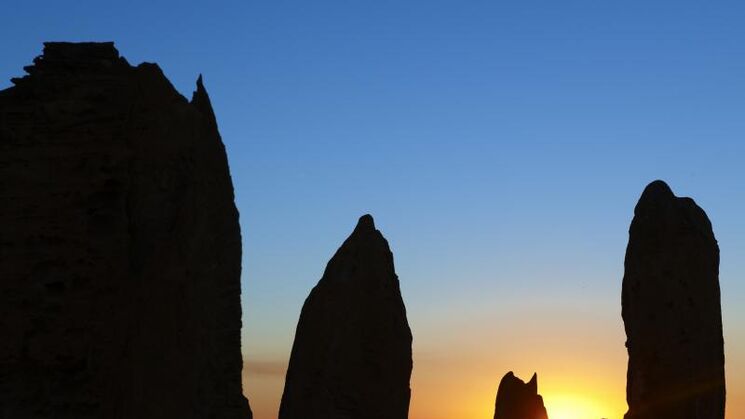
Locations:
{"points": [[352, 352], [671, 310], [533, 383], [201, 100]]}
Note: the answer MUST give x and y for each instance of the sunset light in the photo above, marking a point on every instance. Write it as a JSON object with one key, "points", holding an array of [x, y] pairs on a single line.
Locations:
{"points": [[575, 406], [372, 209]]}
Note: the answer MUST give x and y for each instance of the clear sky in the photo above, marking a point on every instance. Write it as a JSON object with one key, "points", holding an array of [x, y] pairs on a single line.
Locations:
{"points": [[500, 145]]}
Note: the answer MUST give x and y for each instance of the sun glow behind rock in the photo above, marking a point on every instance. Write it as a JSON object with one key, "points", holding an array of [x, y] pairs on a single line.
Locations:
{"points": [[575, 406]]}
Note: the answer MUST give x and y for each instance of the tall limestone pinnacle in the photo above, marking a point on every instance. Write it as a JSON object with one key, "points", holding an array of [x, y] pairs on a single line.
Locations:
{"points": [[120, 249], [671, 311], [519, 400], [352, 352]]}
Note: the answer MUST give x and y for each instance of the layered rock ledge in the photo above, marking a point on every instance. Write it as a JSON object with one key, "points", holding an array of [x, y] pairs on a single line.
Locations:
{"points": [[120, 249]]}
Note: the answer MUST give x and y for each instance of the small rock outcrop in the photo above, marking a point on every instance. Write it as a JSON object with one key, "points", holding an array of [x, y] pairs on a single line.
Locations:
{"points": [[352, 352], [671, 311], [120, 249], [519, 400]]}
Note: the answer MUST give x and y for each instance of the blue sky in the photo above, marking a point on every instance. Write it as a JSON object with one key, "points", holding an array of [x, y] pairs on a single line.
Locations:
{"points": [[501, 146]]}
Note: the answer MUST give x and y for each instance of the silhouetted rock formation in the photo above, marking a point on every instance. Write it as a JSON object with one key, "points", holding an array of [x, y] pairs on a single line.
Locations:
{"points": [[518, 400], [120, 248], [352, 353], [671, 311]]}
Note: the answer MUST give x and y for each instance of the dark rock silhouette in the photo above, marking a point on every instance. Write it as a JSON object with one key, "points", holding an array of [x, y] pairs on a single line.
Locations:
{"points": [[519, 400], [120, 248], [352, 352], [671, 311]]}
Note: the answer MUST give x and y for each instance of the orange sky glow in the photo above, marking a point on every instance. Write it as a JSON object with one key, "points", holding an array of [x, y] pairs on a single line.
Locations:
{"points": [[579, 356]]}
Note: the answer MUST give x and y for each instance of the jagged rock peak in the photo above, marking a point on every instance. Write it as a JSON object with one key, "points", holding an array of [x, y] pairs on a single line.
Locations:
{"points": [[201, 100], [352, 352], [121, 255], [671, 310], [519, 400], [77, 51], [69, 58], [200, 94]]}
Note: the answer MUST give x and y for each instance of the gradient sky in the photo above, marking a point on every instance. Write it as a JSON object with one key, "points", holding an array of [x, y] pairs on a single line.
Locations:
{"points": [[500, 145]]}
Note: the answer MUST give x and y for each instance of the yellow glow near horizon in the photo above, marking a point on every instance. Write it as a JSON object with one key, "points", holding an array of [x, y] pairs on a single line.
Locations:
{"points": [[574, 406]]}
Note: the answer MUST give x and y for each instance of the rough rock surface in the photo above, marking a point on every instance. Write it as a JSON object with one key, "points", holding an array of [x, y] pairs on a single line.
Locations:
{"points": [[352, 353], [120, 247], [671, 311], [519, 400]]}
